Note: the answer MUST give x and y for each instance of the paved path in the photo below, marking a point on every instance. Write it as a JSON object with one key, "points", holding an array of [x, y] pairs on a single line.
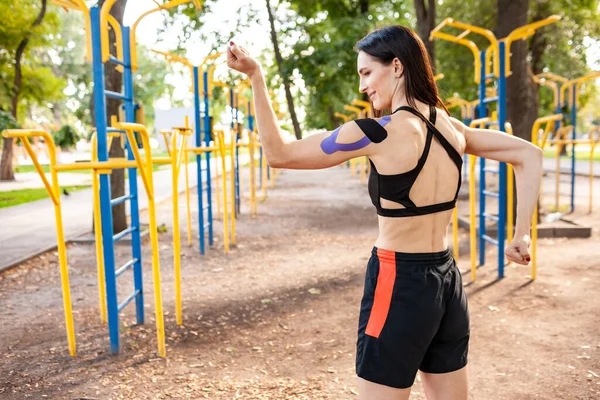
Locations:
{"points": [[581, 167]]}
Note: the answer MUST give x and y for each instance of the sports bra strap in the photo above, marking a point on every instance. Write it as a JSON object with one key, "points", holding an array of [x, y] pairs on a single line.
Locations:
{"points": [[432, 114], [454, 155]]}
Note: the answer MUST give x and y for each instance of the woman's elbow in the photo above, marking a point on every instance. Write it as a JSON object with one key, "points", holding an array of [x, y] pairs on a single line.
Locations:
{"points": [[533, 157], [276, 162], [537, 155]]}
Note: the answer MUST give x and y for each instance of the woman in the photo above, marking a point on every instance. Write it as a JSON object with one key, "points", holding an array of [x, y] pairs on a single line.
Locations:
{"points": [[414, 313]]}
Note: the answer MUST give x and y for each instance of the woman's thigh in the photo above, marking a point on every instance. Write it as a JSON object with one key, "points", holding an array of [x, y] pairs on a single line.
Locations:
{"points": [[374, 391], [447, 386]]}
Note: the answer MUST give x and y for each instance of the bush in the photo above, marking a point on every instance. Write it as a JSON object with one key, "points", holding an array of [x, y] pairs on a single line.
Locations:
{"points": [[66, 137]]}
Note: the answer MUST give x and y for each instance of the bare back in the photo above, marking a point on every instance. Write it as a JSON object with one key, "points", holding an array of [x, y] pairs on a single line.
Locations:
{"points": [[436, 183]]}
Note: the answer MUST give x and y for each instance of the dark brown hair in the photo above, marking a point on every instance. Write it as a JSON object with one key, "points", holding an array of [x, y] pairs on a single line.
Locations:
{"points": [[393, 41]]}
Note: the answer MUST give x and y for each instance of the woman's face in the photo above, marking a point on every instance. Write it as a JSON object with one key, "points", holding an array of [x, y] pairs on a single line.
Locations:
{"points": [[377, 80]]}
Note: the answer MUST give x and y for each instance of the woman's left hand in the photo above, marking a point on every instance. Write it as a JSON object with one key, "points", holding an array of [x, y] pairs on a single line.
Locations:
{"points": [[239, 59]]}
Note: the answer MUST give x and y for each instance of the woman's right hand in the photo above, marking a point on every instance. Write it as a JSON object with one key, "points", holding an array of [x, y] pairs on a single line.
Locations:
{"points": [[518, 250], [239, 59]]}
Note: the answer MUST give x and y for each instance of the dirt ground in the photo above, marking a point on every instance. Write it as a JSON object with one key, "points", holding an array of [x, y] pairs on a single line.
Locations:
{"points": [[277, 317]]}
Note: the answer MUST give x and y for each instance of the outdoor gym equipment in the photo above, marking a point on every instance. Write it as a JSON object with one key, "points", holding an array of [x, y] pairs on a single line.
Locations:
{"points": [[561, 100], [98, 21], [492, 63]]}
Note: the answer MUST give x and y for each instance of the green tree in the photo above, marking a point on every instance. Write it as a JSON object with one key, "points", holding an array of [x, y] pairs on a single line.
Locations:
{"points": [[284, 76], [23, 80], [149, 83], [66, 137], [324, 56]]}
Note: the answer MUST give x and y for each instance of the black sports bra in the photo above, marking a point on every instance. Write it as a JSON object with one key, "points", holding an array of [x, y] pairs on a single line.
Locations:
{"points": [[397, 187]]}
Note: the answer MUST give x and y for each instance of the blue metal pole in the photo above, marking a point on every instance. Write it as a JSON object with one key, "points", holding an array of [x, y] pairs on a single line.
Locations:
{"points": [[573, 136], [207, 138], [105, 206], [250, 118], [136, 242], [197, 131], [481, 113], [502, 175]]}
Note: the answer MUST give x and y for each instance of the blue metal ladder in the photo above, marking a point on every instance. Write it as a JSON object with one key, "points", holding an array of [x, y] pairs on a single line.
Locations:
{"points": [[106, 203], [501, 172], [206, 122]]}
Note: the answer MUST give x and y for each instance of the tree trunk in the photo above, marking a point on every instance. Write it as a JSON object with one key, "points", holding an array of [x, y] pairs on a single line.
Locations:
{"points": [[521, 98], [113, 80], [284, 75], [6, 170], [425, 24]]}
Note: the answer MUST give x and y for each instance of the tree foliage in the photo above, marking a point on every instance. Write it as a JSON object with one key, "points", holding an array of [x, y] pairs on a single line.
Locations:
{"points": [[66, 137], [39, 85], [323, 55]]}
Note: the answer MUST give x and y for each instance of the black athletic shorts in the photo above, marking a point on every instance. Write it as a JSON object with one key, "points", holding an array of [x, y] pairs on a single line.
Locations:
{"points": [[413, 316]]}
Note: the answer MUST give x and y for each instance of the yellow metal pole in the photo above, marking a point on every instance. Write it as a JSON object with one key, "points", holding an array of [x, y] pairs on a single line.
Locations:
{"points": [[251, 150], [221, 139], [98, 234], [176, 234], [472, 228], [592, 145], [264, 177], [62, 255], [219, 212], [187, 199], [54, 192], [147, 178], [510, 195], [455, 232]]}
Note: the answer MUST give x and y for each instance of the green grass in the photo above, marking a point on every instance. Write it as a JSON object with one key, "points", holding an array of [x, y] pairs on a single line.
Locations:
{"points": [[14, 197], [46, 168], [579, 155]]}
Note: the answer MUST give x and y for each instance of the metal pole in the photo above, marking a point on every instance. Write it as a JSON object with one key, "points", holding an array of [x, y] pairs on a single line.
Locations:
{"points": [[105, 206], [136, 242]]}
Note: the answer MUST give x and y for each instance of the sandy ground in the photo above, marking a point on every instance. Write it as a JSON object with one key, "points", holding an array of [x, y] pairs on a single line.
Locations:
{"points": [[277, 317]]}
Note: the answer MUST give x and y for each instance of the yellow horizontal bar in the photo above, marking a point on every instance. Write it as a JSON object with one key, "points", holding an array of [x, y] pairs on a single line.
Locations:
{"points": [[201, 150], [183, 130], [467, 43], [162, 160], [570, 141], [353, 109], [361, 103], [113, 163], [525, 31], [551, 76], [211, 57], [480, 122], [489, 35], [173, 58], [342, 116]]}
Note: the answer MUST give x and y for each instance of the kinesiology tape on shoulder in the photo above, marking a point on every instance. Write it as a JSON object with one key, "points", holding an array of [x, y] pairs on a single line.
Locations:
{"points": [[330, 146]]}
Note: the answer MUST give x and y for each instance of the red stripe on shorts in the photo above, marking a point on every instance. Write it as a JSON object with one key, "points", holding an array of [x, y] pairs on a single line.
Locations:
{"points": [[383, 292]]}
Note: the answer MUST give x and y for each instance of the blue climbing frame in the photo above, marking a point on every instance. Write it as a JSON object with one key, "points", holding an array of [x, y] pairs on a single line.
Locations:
{"points": [[500, 218], [106, 203]]}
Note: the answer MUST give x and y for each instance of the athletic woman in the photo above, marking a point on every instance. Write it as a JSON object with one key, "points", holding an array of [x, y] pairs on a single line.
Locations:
{"points": [[414, 313]]}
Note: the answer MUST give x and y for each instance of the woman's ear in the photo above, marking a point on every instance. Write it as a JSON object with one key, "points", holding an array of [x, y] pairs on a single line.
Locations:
{"points": [[398, 68]]}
